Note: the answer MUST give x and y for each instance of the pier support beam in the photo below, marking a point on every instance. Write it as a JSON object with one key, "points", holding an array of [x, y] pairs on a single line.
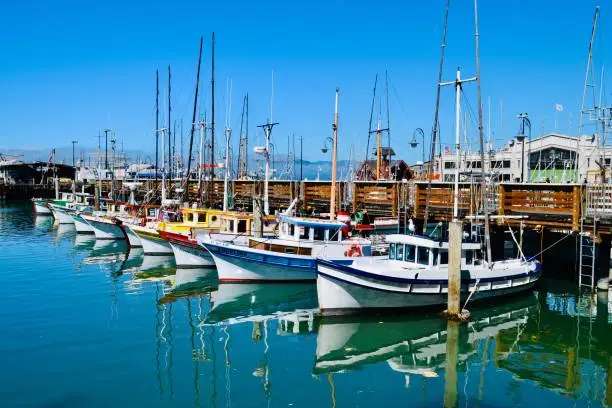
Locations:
{"points": [[455, 236]]}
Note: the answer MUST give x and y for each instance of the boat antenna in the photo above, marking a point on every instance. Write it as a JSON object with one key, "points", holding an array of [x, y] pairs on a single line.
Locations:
{"points": [[169, 123], [434, 131], [193, 123], [212, 122], [156, 126], [365, 163], [483, 182], [388, 117]]}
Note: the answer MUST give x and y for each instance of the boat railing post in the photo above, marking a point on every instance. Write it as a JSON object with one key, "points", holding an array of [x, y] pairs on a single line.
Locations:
{"points": [[455, 236]]}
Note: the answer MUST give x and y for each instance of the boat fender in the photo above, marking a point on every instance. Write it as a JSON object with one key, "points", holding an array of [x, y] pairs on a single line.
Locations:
{"points": [[354, 251]]}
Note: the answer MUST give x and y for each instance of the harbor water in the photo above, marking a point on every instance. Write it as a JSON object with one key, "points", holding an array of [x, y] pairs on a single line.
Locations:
{"points": [[88, 323]]}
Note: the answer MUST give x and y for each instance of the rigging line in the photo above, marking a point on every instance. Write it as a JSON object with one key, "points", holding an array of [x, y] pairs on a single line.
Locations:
{"points": [[370, 128]]}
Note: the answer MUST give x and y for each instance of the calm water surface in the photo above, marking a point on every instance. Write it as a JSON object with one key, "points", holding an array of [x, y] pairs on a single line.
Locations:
{"points": [[89, 324]]}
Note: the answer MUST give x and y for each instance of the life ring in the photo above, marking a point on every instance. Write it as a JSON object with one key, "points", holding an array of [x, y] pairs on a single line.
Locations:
{"points": [[354, 251]]}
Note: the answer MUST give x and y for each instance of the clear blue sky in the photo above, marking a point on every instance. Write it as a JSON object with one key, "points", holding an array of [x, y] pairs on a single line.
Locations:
{"points": [[69, 68]]}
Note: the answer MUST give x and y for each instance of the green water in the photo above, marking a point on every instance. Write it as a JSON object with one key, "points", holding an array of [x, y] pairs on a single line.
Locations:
{"points": [[89, 324]]}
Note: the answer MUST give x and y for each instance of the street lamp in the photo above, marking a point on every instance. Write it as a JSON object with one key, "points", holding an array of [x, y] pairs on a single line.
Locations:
{"points": [[73, 143], [524, 118], [324, 149], [414, 143]]}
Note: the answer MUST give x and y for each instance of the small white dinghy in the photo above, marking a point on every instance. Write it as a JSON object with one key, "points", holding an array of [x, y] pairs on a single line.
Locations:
{"points": [[415, 274]]}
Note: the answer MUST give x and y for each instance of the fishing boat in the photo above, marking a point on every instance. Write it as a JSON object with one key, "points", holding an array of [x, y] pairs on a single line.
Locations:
{"points": [[137, 215], [104, 227], [40, 206], [60, 213], [193, 218], [291, 256], [80, 224], [235, 228], [415, 274]]}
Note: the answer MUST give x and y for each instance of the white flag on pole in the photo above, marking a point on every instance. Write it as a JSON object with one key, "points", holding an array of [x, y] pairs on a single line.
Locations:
{"points": [[558, 107]]}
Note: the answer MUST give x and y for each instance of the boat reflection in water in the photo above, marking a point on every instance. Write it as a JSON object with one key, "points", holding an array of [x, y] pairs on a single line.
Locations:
{"points": [[240, 302], [414, 344], [133, 260], [43, 223], [84, 241], [155, 268], [191, 282], [64, 230], [106, 252]]}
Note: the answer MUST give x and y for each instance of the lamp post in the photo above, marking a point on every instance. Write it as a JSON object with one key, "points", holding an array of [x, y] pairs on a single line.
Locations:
{"points": [[73, 143], [524, 118], [414, 143]]}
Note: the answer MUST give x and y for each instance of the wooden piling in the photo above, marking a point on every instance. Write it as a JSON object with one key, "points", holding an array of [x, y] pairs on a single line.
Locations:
{"points": [[455, 236]]}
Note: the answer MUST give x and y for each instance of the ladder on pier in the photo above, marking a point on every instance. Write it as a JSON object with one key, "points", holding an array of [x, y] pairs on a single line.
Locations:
{"points": [[586, 269]]}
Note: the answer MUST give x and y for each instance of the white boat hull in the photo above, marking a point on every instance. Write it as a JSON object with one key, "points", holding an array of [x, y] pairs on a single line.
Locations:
{"points": [[41, 209], [244, 264], [81, 226], [155, 245], [133, 239], [62, 216], [191, 256], [341, 292], [105, 229]]}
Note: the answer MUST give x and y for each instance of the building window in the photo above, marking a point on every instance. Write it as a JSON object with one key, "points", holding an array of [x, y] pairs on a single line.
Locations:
{"points": [[449, 165]]}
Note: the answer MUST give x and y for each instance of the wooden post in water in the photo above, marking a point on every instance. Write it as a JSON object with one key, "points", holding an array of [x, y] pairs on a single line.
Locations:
{"points": [[455, 236], [450, 370]]}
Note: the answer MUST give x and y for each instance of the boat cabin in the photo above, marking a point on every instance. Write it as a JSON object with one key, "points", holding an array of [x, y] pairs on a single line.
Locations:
{"points": [[425, 251], [242, 223], [310, 229], [202, 217]]}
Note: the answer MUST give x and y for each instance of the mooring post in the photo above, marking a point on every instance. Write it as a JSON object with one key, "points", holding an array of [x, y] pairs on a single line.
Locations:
{"points": [[56, 182], [450, 371], [455, 236]]}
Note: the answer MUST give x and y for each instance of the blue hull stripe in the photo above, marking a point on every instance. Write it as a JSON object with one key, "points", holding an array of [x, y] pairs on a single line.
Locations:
{"points": [[409, 281], [309, 264]]}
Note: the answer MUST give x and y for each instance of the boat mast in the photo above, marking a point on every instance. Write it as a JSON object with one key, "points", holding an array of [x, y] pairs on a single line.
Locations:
{"points": [[193, 119], [212, 122], [169, 123], [228, 135], [365, 164], [156, 126], [332, 206], [202, 133], [378, 150], [434, 131], [481, 139], [268, 132]]}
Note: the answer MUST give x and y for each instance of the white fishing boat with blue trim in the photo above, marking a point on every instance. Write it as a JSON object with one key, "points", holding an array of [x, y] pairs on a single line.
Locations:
{"points": [[291, 256], [415, 274]]}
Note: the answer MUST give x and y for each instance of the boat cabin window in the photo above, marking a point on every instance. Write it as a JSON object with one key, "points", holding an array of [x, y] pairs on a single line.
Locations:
{"points": [[392, 250], [410, 253], [230, 225], [423, 256], [242, 226], [189, 217], [151, 212], [469, 257], [399, 252], [302, 232], [440, 256], [319, 234], [213, 218]]}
